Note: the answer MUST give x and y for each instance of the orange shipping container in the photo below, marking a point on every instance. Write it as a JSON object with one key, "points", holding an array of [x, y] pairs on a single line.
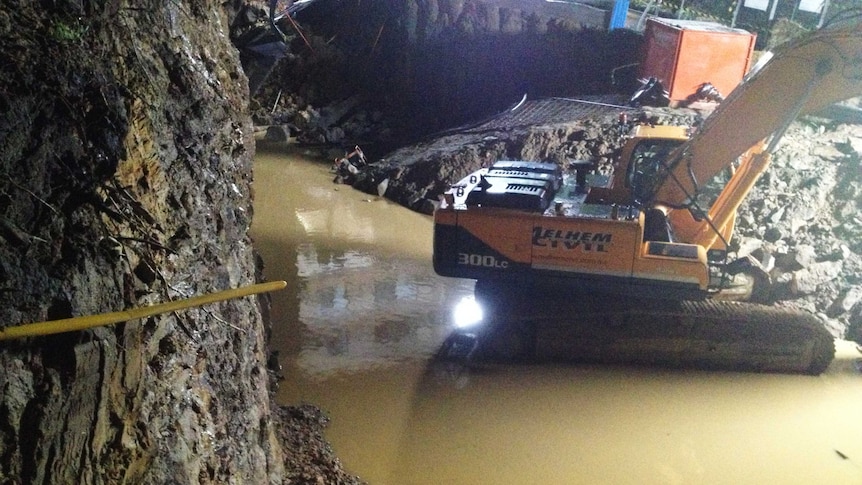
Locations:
{"points": [[684, 54]]}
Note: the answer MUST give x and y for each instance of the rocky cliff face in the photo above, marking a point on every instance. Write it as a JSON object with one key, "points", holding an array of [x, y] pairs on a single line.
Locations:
{"points": [[125, 180]]}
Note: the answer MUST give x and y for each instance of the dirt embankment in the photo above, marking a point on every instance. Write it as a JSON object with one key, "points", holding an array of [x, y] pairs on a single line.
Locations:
{"points": [[125, 180]]}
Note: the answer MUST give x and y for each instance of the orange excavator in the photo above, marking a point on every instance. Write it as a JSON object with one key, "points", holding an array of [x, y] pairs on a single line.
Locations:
{"points": [[636, 268]]}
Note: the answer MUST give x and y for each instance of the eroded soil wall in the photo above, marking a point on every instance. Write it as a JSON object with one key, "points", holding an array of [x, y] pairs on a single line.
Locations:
{"points": [[125, 180]]}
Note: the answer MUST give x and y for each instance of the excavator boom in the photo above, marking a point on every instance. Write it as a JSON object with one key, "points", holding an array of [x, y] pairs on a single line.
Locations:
{"points": [[802, 77]]}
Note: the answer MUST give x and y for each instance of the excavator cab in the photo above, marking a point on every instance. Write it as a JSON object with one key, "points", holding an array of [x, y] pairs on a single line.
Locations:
{"points": [[648, 160]]}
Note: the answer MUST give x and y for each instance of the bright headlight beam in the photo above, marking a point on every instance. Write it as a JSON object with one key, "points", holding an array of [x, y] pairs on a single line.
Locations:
{"points": [[467, 313]]}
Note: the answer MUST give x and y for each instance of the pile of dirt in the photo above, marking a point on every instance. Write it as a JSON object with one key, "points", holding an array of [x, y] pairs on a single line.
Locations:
{"points": [[801, 221], [310, 457]]}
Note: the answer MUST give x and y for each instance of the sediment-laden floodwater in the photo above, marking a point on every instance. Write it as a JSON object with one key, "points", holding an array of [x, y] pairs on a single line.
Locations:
{"points": [[364, 312]]}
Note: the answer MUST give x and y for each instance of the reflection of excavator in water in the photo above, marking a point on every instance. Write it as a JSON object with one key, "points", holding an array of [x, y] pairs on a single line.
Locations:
{"points": [[644, 269]]}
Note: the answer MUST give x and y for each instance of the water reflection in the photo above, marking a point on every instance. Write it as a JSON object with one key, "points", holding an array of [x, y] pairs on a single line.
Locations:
{"points": [[360, 310], [363, 291], [364, 313]]}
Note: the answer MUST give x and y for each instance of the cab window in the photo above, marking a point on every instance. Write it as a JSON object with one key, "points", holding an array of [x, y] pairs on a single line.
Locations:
{"points": [[647, 162]]}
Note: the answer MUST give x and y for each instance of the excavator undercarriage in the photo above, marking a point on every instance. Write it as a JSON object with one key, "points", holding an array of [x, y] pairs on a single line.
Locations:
{"points": [[547, 325]]}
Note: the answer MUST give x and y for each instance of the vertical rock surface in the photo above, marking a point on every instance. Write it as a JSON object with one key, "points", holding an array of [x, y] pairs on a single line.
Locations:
{"points": [[125, 180]]}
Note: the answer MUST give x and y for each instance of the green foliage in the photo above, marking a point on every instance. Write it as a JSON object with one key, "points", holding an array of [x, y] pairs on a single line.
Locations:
{"points": [[68, 31]]}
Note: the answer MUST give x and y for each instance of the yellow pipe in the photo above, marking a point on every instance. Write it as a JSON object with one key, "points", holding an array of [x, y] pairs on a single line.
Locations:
{"points": [[90, 321]]}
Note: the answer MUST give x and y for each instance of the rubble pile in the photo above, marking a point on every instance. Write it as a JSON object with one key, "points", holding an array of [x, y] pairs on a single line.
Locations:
{"points": [[802, 222]]}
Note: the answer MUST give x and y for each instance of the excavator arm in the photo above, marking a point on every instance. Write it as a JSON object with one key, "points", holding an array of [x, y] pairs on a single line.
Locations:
{"points": [[805, 76]]}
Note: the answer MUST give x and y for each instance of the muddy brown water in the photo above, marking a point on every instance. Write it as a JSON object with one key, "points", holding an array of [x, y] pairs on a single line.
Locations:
{"points": [[364, 312]]}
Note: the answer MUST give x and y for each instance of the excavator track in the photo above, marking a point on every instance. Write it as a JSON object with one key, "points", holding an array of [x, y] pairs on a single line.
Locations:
{"points": [[705, 334]]}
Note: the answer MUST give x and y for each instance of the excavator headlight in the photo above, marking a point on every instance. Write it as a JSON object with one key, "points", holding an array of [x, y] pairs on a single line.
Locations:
{"points": [[467, 313]]}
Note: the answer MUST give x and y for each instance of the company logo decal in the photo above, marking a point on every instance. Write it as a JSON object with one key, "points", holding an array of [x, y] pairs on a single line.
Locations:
{"points": [[585, 241]]}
